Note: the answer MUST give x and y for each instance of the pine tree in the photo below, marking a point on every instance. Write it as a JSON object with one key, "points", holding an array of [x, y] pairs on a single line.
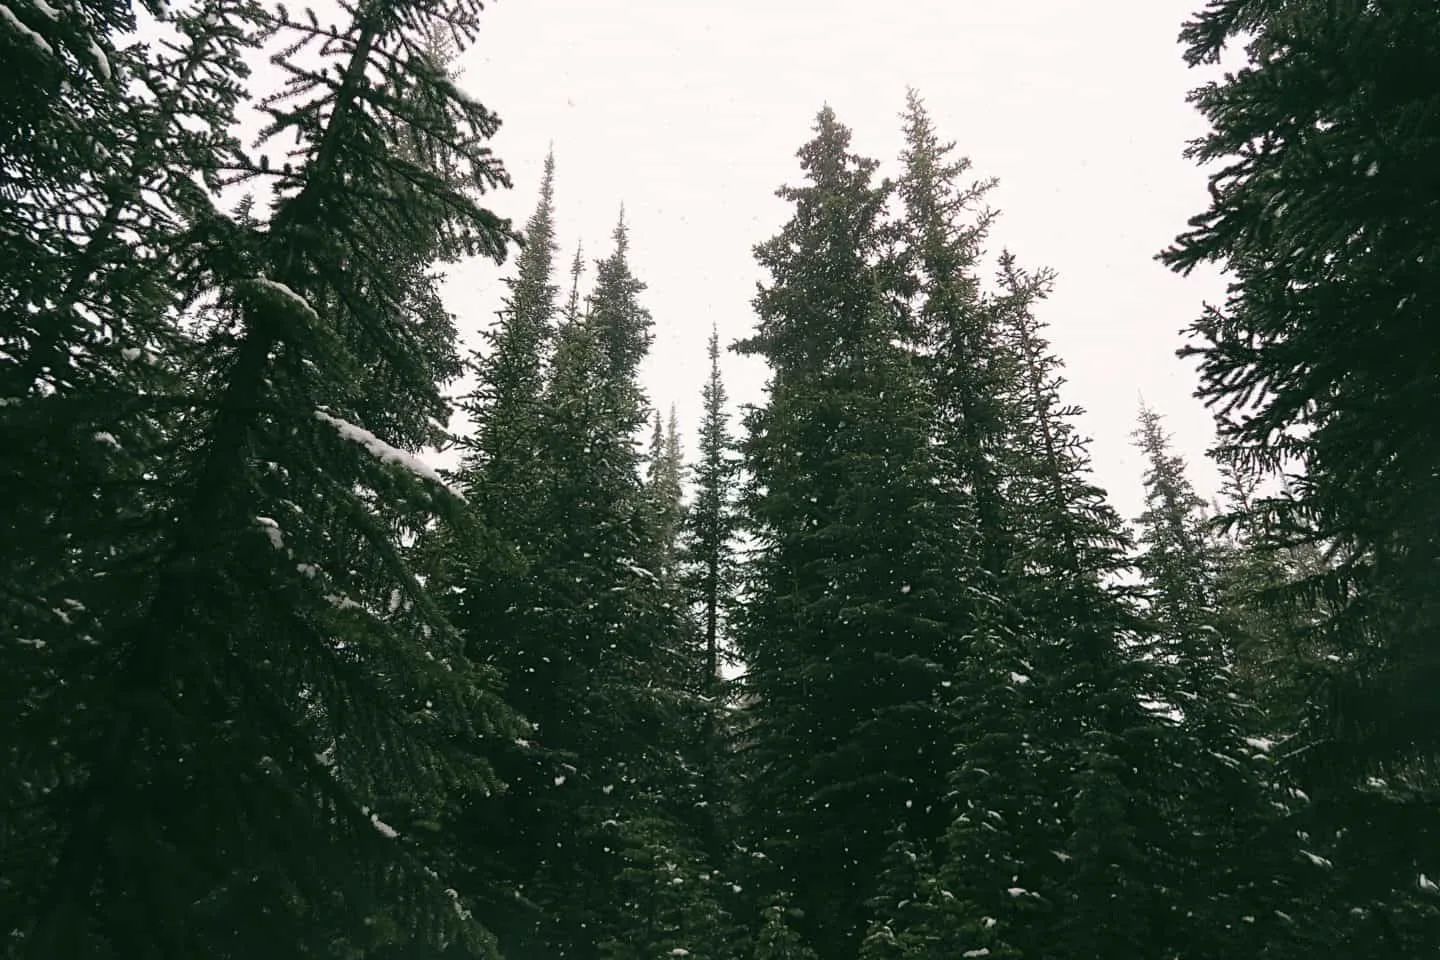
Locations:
{"points": [[1088, 726], [957, 339], [1217, 794], [1316, 367], [845, 633], [597, 820], [711, 522], [253, 680], [954, 332], [664, 488], [710, 570], [504, 406]]}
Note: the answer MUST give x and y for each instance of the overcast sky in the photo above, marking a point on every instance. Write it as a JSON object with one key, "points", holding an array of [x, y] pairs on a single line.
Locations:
{"points": [[690, 114]]}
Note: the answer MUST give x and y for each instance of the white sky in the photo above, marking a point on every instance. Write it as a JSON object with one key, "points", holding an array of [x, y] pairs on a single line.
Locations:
{"points": [[690, 114]]}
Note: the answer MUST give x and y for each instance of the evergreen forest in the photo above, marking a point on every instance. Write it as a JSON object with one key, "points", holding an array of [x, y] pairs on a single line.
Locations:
{"points": [[870, 670]]}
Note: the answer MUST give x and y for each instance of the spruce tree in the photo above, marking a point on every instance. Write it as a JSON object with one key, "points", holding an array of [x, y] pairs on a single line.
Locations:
{"points": [[1085, 860], [711, 522], [845, 631], [664, 482], [596, 824], [511, 375], [954, 332], [710, 571], [1316, 366], [266, 718], [956, 337]]}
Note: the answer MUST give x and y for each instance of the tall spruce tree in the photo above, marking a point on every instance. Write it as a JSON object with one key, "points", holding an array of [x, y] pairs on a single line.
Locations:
{"points": [[1084, 859], [664, 489], [844, 633], [955, 337], [711, 523], [1316, 365], [954, 332], [710, 569], [594, 836], [262, 716], [1233, 859]]}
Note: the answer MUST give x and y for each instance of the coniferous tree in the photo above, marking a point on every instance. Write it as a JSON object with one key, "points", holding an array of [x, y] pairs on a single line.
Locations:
{"points": [[664, 484], [956, 338], [252, 681], [710, 570], [844, 633], [505, 405], [954, 331], [1315, 367], [1230, 858], [1088, 727], [711, 523], [597, 822]]}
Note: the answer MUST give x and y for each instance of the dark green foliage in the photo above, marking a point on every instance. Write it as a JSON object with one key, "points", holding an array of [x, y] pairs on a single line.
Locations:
{"points": [[593, 848], [845, 632], [1318, 365], [710, 573], [249, 676], [1315, 361], [664, 479], [778, 939], [272, 689]]}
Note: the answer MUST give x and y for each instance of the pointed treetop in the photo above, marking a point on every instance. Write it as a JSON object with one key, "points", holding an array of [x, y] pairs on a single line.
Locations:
{"points": [[577, 268], [621, 234], [547, 179], [825, 156]]}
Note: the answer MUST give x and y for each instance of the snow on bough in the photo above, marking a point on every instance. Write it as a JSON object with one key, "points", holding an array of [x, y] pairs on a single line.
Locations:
{"points": [[384, 452]]}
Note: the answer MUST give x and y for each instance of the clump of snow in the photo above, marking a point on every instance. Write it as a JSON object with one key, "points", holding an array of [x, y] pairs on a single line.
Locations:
{"points": [[1018, 678], [982, 952], [1260, 743], [1427, 884], [108, 439], [382, 451], [384, 828], [679, 952], [559, 779], [1017, 891], [45, 9], [134, 354], [342, 602], [102, 62], [8, 17], [307, 570], [285, 295], [272, 531], [1318, 860], [638, 570]]}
